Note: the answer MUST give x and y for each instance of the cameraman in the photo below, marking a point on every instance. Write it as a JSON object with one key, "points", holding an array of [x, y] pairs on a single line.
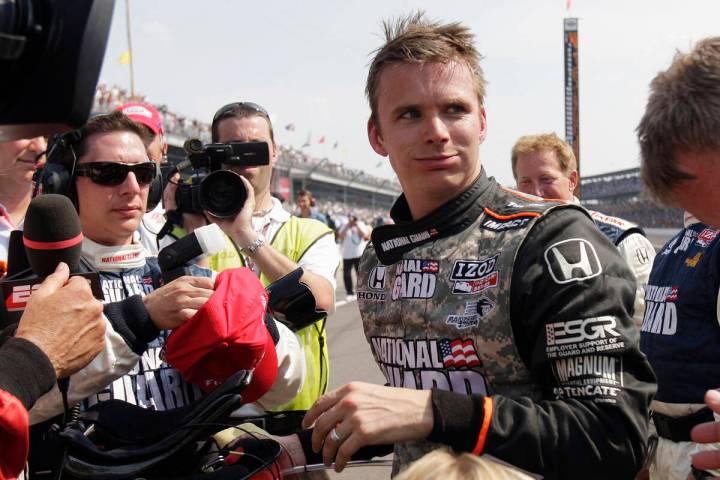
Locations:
{"points": [[273, 242]]}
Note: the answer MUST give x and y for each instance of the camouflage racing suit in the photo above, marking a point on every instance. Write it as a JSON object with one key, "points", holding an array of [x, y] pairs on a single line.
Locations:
{"points": [[518, 314]]}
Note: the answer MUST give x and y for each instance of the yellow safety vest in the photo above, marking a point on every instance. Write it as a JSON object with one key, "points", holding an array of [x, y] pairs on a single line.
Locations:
{"points": [[293, 239]]}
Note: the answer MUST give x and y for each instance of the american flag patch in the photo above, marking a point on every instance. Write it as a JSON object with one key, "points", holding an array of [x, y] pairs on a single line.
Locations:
{"points": [[458, 353], [429, 266]]}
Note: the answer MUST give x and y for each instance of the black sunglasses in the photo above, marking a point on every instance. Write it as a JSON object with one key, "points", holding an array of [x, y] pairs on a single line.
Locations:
{"points": [[231, 107], [114, 173]]}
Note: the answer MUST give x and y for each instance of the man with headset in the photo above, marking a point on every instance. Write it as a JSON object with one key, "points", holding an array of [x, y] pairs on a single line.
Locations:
{"points": [[110, 180], [273, 243]]}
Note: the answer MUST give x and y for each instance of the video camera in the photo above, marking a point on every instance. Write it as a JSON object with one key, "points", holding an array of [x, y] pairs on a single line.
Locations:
{"points": [[209, 187]]}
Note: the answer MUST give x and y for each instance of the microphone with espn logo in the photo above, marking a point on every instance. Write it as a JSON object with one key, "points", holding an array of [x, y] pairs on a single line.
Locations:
{"points": [[52, 234]]}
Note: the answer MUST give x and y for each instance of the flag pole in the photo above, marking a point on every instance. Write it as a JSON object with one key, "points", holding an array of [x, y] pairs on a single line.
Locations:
{"points": [[129, 41]]}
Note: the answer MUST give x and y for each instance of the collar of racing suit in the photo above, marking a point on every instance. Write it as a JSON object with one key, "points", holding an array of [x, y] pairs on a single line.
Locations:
{"points": [[115, 258], [391, 242]]}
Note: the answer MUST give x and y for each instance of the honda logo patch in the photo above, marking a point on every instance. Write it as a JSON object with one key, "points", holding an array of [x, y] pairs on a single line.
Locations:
{"points": [[572, 260]]}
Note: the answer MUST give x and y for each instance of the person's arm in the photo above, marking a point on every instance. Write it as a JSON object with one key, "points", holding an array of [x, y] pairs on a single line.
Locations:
{"points": [[130, 325], [574, 331], [271, 262], [291, 367], [639, 253]]}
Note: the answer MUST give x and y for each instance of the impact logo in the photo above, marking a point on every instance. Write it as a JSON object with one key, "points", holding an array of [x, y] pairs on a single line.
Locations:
{"points": [[474, 311], [582, 336], [706, 237], [444, 363], [471, 277], [572, 260], [376, 284], [502, 225], [660, 311], [415, 279]]}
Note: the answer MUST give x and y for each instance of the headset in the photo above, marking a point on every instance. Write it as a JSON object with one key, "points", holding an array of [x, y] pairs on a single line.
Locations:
{"points": [[58, 174]]}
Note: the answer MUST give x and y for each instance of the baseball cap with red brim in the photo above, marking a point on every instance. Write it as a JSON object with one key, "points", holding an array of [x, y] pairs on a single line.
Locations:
{"points": [[145, 114], [226, 335]]}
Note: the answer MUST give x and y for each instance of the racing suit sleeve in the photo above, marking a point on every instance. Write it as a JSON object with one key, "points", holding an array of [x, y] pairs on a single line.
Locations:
{"points": [[571, 298], [639, 253], [26, 374], [114, 361], [291, 367]]}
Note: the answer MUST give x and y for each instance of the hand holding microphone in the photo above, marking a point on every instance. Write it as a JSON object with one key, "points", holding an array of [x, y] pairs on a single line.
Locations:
{"points": [[65, 321], [61, 316]]}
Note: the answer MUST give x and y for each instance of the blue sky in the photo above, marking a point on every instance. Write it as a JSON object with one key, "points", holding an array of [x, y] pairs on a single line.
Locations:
{"points": [[306, 62]]}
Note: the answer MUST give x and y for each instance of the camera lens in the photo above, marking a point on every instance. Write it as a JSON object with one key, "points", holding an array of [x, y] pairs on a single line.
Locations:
{"points": [[222, 193]]}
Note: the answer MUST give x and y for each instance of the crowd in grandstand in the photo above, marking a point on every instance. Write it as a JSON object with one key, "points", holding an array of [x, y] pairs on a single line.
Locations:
{"points": [[616, 194]]}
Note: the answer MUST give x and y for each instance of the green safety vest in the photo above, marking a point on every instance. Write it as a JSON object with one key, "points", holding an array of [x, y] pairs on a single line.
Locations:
{"points": [[293, 239]]}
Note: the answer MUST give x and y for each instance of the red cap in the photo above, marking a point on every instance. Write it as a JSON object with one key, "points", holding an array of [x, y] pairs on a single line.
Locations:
{"points": [[226, 335], [145, 114]]}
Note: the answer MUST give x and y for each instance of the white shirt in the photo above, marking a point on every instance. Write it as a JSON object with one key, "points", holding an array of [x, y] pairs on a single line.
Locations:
{"points": [[353, 242], [322, 258]]}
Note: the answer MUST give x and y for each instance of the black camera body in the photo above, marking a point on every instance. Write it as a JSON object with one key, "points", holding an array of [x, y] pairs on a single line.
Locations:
{"points": [[209, 188]]}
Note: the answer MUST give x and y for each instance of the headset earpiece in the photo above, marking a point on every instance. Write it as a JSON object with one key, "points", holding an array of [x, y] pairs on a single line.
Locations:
{"points": [[57, 174], [156, 190]]}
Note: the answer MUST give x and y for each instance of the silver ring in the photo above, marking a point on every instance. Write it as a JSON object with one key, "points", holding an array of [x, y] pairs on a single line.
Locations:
{"points": [[334, 436]]}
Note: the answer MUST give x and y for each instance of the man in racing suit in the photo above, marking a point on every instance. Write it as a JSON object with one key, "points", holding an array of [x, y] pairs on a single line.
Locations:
{"points": [[545, 165], [680, 334], [501, 322], [141, 310], [680, 154]]}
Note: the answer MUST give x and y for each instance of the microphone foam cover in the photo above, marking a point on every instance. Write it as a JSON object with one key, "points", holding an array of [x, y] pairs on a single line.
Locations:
{"points": [[52, 234], [211, 239]]}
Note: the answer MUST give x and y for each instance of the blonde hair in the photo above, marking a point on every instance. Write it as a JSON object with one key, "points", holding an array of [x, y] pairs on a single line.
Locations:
{"points": [[415, 39], [544, 142], [442, 464], [682, 114]]}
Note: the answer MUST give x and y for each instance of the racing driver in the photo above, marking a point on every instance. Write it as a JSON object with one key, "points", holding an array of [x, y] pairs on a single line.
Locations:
{"points": [[503, 323]]}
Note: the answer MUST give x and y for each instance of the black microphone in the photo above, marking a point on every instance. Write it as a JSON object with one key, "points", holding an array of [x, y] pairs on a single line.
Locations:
{"points": [[207, 240], [52, 234], [17, 263]]}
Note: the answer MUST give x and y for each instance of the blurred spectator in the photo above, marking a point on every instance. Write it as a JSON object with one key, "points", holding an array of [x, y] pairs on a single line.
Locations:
{"points": [[449, 466], [306, 203], [353, 236]]}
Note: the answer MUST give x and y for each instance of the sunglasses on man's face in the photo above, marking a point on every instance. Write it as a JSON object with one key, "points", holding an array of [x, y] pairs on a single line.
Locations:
{"points": [[231, 107], [114, 173]]}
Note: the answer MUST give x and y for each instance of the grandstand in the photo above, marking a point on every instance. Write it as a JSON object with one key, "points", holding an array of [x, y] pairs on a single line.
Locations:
{"points": [[339, 189], [621, 194]]}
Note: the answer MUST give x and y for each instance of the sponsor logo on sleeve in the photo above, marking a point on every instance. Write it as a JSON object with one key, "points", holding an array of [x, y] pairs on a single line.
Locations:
{"points": [[572, 260], [415, 279], [474, 312], [474, 276], [497, 225], [642, 256], [706, 237], [693, 261], [660, 311], [447, 363], [582, 336], [597, 377], [687, 240]]}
